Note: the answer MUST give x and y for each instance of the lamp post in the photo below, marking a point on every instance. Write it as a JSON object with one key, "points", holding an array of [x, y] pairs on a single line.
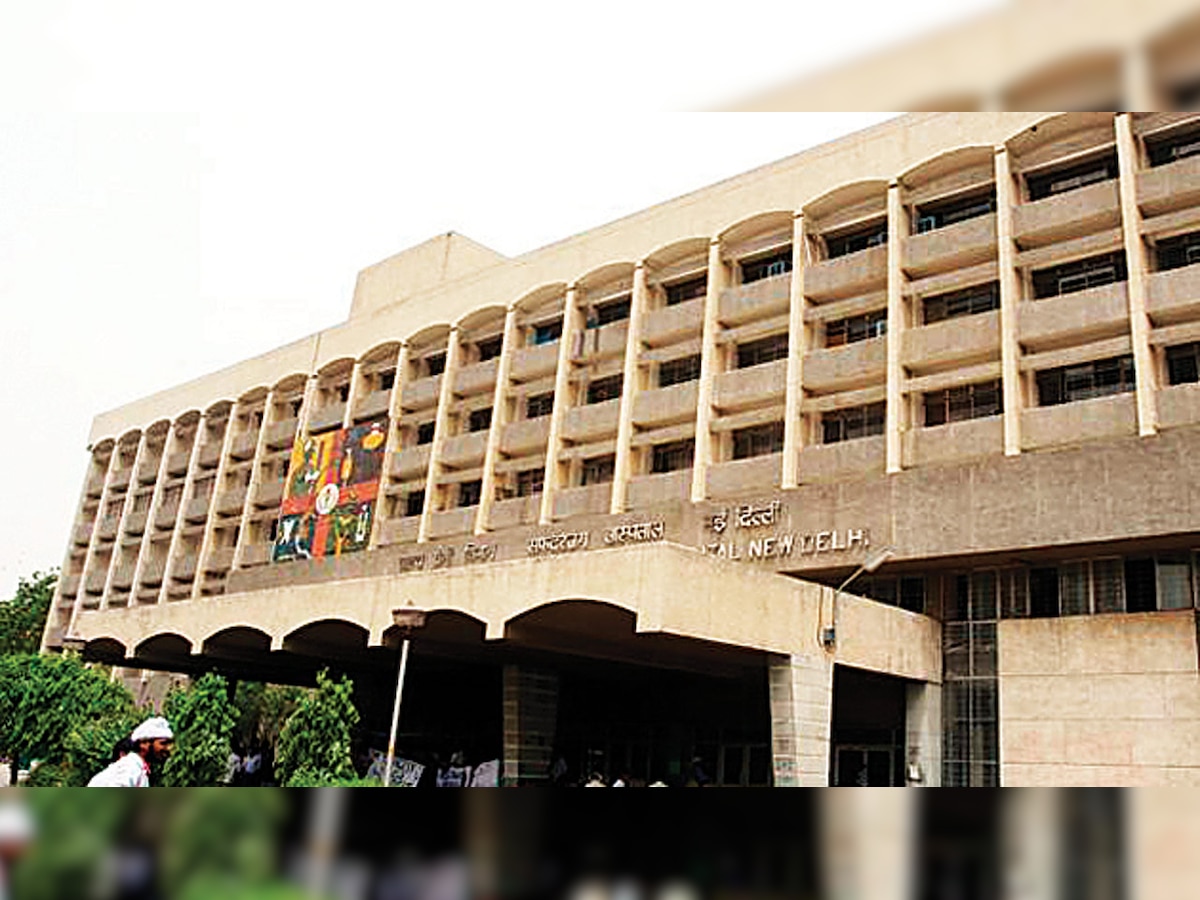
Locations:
{"points": [[874, 560], [407, 620]]}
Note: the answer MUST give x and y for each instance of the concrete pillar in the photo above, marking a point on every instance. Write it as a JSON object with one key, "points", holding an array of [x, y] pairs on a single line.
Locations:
{"points": [[793, 430], [801, 697], [718, 279], [89, 554], [441, 426], [189, 481], [923, 734], [1135, 258], [117, 552], [572, 325], [218, 487], [352, 394], [630, 385], [268, 420], [306, 407], [530, 719], [1010, 298], [508, 347], [868, 844], [1137, 78], [393, 441], [1030, 844], [895, 420], [160, 478]]}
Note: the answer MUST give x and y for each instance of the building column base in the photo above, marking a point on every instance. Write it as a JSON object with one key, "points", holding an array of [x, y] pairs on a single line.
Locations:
{"points": [[801, 698], [530, 719]]}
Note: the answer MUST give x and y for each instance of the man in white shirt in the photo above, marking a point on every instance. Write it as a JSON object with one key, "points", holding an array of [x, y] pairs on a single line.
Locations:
{"points": [[152, 742]]}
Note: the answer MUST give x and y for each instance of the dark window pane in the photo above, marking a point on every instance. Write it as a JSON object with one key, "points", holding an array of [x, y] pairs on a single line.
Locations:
{"points": [[758, 441], [672, 457], [529, 482], [414, 503], [874, 235], [1073, 594], [599, 470], [604, 389], [1140, 593], [931, 216], [469, 493], [1079, 276], [490, 347], [539, 405], [1060, 181], [912, 594], [435, 364], [756, 353], [1182, 365], [546, 333], [682, 291], [983, 596], [425, 433], [1043, 593], [612, 311], [1108, 584], [480, 419], [677, 371], [778, 262]]}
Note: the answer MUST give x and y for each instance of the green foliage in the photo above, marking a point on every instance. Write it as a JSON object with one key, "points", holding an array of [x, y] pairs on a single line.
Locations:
{"points": [[315, 743], [56, 709], [84, 825], [202, 718], [220, 843], [302, 780], [262, 710], [23, 617]]}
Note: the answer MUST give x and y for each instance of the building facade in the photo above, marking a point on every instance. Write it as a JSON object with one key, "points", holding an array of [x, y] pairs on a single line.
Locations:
{"points": [[625, 474]]}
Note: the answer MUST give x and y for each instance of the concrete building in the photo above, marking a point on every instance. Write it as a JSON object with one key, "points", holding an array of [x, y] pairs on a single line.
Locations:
{"points": [[624, 474]]}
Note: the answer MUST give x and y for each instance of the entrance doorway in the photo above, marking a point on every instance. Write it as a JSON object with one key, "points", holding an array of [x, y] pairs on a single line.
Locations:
{"points": [[864, 766], [867, 739]]}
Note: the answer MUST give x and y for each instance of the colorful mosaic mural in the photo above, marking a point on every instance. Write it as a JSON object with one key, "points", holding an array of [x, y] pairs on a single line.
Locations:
{"points": [[329, 496]]}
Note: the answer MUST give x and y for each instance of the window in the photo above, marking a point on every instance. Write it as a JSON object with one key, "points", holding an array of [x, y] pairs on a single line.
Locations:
{"points": [[435, 364], [387, 380], [758, 441], [777, 263], [529, 482], [856, 328], [1166, 150], [546, 333], [611, 311], [756, 353], [682, 291], [469, 493], [873, 235], [599, 470], [968, 401], [1060, 181], [1079, 276], [978, 299], [1043, 593], [425, 433], [932, 216], [489, 348], [604, 389], [480, 419], [1177, 252], [295, 406], [539, 405], [677, 371], [1183, 364], [1139, 585], [343, 392], [851, 423], [1095, 379], [414, 503], [672, 457]]}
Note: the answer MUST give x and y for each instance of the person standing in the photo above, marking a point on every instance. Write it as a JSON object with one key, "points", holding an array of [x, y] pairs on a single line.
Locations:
{"points": [[152, 742]]}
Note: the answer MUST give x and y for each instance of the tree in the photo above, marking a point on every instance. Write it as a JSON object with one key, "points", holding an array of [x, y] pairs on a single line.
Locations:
{"points": [[202, 718], [56, 709], [23, 617], [262, 710], [314, 747]]}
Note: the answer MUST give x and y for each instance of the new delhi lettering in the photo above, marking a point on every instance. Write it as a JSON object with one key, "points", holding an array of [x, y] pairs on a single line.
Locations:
{"points": [[776, 546]]}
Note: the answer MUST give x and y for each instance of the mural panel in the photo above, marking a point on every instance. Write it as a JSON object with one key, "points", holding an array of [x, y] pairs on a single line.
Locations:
{"points": [[329, 496]]}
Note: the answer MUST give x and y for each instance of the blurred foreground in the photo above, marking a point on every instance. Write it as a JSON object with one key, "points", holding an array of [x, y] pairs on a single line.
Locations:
{"points": [[853, 844], [1028, 55]]}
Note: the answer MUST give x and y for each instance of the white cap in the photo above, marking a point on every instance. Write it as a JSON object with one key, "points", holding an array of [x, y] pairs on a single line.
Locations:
{"points": [[152, 729]]}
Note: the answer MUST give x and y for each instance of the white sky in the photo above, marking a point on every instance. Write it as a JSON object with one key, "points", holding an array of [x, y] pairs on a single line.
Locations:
{"points": [[181, 188]]}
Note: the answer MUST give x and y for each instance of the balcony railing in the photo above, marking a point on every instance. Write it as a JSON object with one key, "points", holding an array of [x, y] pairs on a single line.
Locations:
{"points": [[757, 300]]}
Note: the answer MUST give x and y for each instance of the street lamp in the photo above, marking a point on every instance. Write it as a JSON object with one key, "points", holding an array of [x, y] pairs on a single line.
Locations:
{"points": [[874, 560], [408, 620]]}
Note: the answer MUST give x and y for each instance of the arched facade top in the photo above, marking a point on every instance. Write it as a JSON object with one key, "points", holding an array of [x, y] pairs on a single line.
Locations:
{"points": [[290, 383], [159, 429], [130, 438], [676, 253], [104, 649], [1088, 80], [381, 353], [254, 394], [336, 368], [971, 159], [541, 297], [757, 225], [104, 446], [430, 337], [219, 409], [236, 635], [608, 278], [847, 203], [1061, 135], [565, 608], [312, 628], [164, 644], [483, 319]]}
